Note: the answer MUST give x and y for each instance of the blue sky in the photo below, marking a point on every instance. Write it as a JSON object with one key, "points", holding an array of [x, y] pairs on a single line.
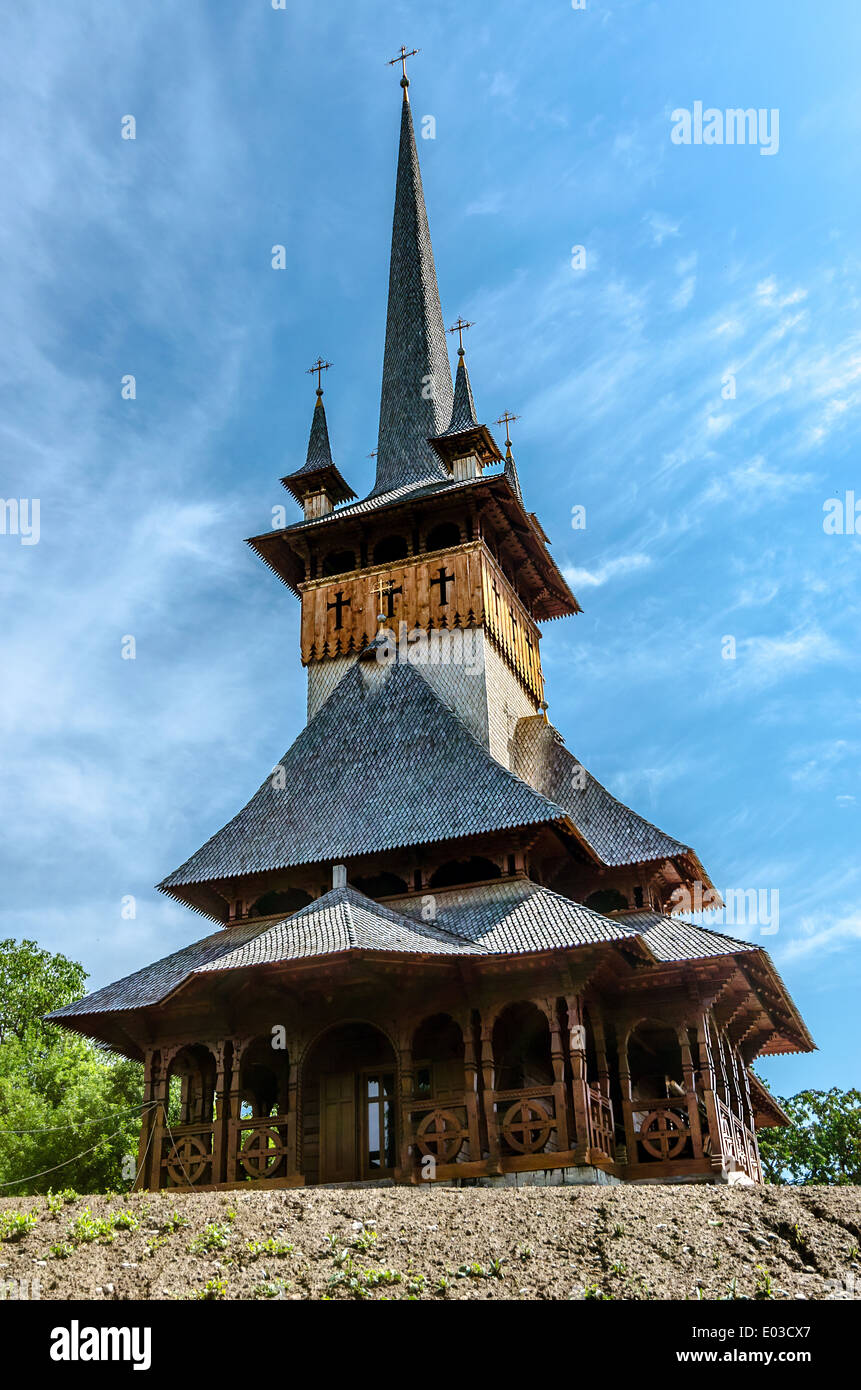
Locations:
{"points": [[258, 127]]}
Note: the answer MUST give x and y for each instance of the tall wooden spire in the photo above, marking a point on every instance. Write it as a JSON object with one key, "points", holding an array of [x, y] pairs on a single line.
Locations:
{"points": [[416, 396]]}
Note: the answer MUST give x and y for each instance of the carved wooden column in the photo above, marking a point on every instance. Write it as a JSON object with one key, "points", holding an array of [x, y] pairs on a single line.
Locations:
{"points": [[470, 1087], [148, 1120], [407, 1091], [579, 1084], [557, 1059], [234, 1112], [221, 1114], [162, 1096], [623, 1033], [488, 1079], [293, 1114], [690, 1091], [597, 1019], [709, 1083]]}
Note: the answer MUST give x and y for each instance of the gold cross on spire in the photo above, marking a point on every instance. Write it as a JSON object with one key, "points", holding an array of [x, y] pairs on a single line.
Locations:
{"points": [[402, 59], [507, 419], [319, 367], [458, 328]]}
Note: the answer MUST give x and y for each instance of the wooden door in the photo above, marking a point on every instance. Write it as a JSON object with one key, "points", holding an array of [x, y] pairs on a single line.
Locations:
{"points": [[338, 1156]]}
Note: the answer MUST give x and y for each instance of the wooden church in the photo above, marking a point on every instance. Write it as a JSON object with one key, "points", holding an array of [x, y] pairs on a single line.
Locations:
{"points": [[440, 949]]}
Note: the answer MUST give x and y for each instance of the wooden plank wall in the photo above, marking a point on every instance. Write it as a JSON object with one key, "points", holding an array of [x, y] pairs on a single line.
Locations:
{"points": [[477, 595]]}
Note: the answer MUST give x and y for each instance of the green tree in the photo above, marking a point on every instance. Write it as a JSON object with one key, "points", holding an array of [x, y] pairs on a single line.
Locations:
{"points": [[55, 1086], [821, 1145]]}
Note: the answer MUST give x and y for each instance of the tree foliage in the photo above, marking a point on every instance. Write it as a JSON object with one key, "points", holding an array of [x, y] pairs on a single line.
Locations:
{"points": [[55, 1085], [822, 1144]]}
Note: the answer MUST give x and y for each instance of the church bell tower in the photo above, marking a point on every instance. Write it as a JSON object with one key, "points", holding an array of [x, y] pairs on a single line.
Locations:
{"points": [[440, 565]]}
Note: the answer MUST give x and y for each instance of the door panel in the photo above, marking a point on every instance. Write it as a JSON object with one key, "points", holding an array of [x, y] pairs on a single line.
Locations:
{"points": [[338, 1127]]}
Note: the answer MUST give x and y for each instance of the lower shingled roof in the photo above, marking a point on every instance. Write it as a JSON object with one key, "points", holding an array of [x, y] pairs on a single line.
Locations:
{"points": [[517, 915], [671, 939], [341, 920], [156, 981]]}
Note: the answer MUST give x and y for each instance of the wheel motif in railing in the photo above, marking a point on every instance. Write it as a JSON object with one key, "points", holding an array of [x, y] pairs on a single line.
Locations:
{"points": [[187, 1159], [441, 1134], [662, 1134], [261, 1152], [526, 1126]]}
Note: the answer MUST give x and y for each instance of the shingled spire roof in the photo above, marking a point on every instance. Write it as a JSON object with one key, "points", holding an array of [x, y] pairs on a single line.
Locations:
{"points": [[416, 397], [318, 470], [464, 432], [463, 416]]}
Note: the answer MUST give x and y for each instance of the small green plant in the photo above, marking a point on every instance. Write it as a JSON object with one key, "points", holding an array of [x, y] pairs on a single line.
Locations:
{"points": [[155, 1243], [14, 1225], [212, 1289], [273, 1288], [62, 1250], [764, 1287], [256, 1248], [595, 1291], [618, 1230], [619, 1269], [125, 1220], [374, 1277], [174, 1222], [365, 1239], [442, 1285], [525, 1252], [86, 1228], [214, 1236], [54, 1202]]}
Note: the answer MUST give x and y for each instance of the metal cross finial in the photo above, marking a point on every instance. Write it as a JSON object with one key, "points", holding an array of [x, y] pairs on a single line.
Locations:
{"points": [[385, 590], [507, 419], [319, 367], [402, 59], [458, 329]]}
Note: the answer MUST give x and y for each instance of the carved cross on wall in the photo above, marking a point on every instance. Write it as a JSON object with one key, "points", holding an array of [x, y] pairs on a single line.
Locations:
{"points": [[443, 581], [513, 618], [339, 605], [388, 594]]}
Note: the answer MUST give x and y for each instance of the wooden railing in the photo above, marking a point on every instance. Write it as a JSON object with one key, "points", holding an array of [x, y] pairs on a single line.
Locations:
{"points": [[259, 1146], [661, 1129], [527, 1119], [440, 1128], [601, 1132], [186, 1154], [738, 1142]]}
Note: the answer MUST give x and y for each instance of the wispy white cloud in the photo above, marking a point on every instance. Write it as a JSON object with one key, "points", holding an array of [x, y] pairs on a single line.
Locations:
{"points": [[610, 569]]}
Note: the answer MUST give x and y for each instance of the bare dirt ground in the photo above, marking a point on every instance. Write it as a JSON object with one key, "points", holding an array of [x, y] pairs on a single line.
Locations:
{"points": [[442, 1243]]}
